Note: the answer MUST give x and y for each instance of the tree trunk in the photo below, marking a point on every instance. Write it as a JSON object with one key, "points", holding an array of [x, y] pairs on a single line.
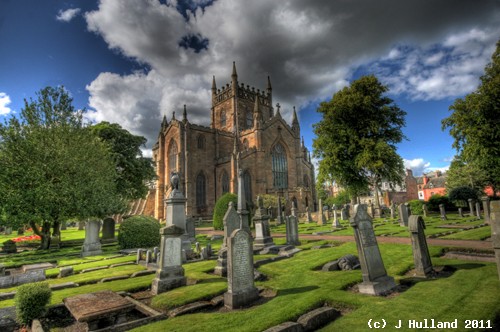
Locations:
{"points": [[44, 234], [56, 228]]}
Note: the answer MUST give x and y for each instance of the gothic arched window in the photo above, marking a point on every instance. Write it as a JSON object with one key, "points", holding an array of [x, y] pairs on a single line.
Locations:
{"points": [[225, 182], [247, 180], [280, 167], [201, 142], [172, 157], [201, 191], [223, 118], [249, 119]]}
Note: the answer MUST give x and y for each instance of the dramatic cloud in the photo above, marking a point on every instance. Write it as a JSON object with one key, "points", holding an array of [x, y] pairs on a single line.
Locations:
{"points": [[418, 165], [4, 101], [67, 15], [309, 49]]}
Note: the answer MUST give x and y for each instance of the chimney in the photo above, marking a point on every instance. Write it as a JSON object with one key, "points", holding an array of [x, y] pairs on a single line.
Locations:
{"points": [[425, 179], [438, 173]]}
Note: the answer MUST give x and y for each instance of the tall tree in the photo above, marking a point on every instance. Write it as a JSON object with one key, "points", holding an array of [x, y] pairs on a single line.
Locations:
{"points": [[356, 139], [462, 174], [475, 124], [53, 167], [133, 170]]}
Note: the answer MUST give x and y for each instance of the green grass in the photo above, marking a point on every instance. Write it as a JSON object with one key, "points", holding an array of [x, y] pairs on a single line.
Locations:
{"points": [[473, 291], [471, 234]]}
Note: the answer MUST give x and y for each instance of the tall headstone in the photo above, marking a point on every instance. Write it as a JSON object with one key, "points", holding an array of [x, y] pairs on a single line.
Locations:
{"points": [[190, 229], [279, 217], [156, 255], [442, 212], [139, 255], [375, 278], [292, 229], [344, 213], [495, 231], [308, 215], [92, 244], [486, 208], [425, 210], [262, 231], [421, 257], [242, 203], [403, 215], [108, 229], [170, 273], [471, 206], [478, 211], [460, 212], [371, 209], [149, 257], [336, 222], [393, 210], [231, 223], [321, 214], [241, 290]]}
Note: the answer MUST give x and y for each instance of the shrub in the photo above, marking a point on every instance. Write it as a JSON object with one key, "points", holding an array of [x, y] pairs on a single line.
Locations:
{"points": [[31, 301], [461, 195], [221, 208], [435, 200], [139, 232], [416, 206]]}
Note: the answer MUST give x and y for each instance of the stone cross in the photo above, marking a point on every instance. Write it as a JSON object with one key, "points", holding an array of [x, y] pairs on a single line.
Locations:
{"points": [[425, 210], [495, 231], [321, 215], [108, 229], [478, 211], [170, 273], [471, 206], [279, 217], [421, 257], [92, 243], [231, 222], [460, 212], [262, 230], [240, 271], [403, 215], [292, 229], [486, 208], [375, 278], [442, 211]]}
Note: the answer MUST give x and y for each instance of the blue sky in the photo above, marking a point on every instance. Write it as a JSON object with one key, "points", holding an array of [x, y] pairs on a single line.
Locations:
{"points": [[132, 61]]}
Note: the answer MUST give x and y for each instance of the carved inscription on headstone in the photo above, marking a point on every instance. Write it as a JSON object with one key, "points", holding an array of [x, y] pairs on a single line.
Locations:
{"points": [[242, 269], [172, 246]]}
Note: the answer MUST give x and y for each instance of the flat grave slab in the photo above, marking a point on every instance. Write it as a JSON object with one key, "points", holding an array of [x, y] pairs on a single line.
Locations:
{"points": [[40, 266], [94, 306]]}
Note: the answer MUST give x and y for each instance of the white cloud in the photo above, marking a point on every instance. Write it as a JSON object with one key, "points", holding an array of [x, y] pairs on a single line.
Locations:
{"points": [[67, 15], [4, 101], [309, 49], [417, 165]]}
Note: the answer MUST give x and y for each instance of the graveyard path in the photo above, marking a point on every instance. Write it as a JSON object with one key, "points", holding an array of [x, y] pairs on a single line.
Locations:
{"points": [[478, 245]]}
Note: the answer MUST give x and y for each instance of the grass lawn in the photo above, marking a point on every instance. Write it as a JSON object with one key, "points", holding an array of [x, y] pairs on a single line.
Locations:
{"points": [[472, 292]]}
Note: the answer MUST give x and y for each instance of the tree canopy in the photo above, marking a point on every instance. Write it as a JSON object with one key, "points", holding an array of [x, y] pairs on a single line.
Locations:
{"points": [[356, 139], [53, 167], [475, 124], [462, 174], [133, 170]]}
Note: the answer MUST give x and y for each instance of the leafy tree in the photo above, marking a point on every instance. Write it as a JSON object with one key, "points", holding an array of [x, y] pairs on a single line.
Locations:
{"points": [[133, 170], [53, 167], [461, 195], [356, 139], [462, 174], [341, 199], [475, 124]]}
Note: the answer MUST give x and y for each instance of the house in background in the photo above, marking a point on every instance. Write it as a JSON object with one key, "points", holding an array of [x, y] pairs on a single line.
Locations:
{"points": [[433, 183]]}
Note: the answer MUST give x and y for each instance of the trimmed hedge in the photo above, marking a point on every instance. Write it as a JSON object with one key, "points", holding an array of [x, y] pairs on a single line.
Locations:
{"points": [[139, 232], [221, 208], [31, 301]]}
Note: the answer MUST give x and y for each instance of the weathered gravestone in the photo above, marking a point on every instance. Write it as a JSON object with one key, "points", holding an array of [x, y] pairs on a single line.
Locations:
{"points": [[471, 206], [421, 257], [108, 229], [344, 213], [393, 210], [321, 215], [231, 222], [460, 212], [308, 215], [425, 210], [495, 230], [403, 215], [240, 271], [170, 273], [442, 212], [149, 257], [92, 244], [65, 271], [262, 231], [156, 255], [375, 278], [279, 217], [292, 229], [190, 229], [371, 209], [139, 255], [478, 211], [336, 222], [486, 208]]}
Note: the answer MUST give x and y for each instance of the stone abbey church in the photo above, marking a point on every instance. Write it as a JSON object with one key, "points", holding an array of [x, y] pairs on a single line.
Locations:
{"points": [[246, 132]]}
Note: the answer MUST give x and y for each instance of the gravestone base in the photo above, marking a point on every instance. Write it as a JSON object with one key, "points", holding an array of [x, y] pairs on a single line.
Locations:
{"points": [[378, 286], [262, 243], [168, 279], [91, 249], [240, 299], [221, 267]]}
